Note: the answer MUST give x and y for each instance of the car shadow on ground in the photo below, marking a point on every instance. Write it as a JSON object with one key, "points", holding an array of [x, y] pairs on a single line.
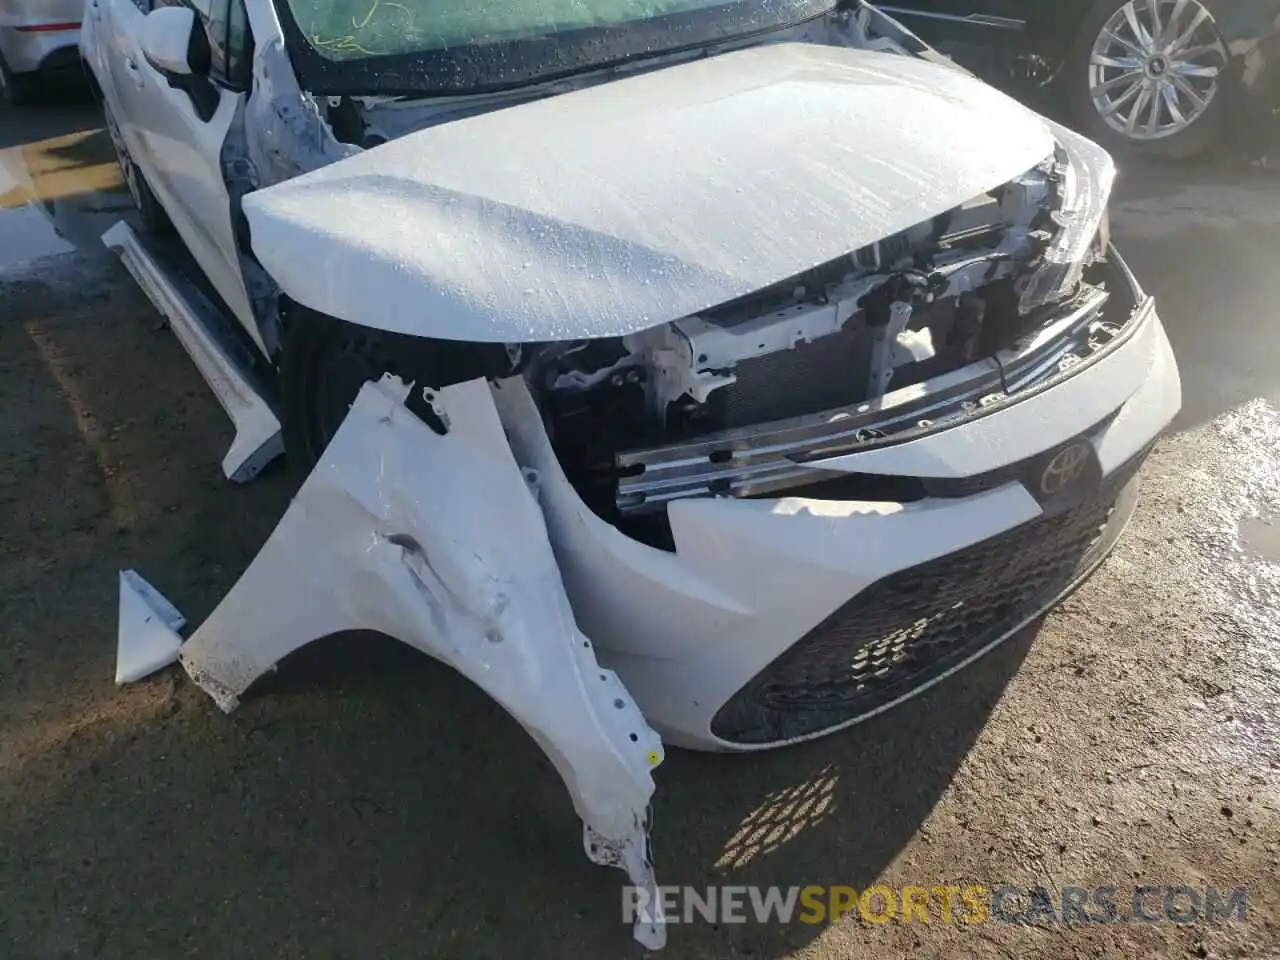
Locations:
{"points": [[83, 151], [364, 800]]}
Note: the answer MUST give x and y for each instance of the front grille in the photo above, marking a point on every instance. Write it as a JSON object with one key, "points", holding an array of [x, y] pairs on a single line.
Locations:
{"points": [[914, 625]]}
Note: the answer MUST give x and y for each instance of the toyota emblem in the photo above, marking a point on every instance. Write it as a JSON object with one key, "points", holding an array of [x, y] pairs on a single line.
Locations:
{"points": [[1066, 467]]}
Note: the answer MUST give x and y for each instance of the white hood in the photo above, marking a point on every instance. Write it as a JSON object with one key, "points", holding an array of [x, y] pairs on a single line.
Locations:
{"points": [[612, 209]]}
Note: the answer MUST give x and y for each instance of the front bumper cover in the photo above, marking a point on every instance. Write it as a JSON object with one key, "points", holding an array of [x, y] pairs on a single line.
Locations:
{"points": [[915, 627], [748, 578]]}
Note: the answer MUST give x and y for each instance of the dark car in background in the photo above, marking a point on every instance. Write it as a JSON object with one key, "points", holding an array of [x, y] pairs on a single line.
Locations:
{"points": [[1164, 77]]}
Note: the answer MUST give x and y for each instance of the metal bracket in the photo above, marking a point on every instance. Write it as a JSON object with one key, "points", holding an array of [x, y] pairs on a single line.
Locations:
{"points": [[885, 353]]}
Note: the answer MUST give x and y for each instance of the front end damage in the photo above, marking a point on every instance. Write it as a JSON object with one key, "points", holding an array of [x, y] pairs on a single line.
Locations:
{"points": [[909, 334], [755, 429], [784, 597]]}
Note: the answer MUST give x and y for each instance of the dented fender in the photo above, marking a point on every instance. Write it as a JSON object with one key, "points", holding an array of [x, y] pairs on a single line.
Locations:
{"points": [[438, 540]]}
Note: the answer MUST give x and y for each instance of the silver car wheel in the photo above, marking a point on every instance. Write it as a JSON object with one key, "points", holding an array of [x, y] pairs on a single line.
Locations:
{"points": [[1155, 67]]}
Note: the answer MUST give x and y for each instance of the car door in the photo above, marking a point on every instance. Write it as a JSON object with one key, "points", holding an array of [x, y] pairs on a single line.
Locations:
{"points": [[116, 25], [176, 135], [94, 35]]}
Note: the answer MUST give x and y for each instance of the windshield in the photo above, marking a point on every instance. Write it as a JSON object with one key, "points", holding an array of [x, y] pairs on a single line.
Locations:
{"points": [[411, 46]]}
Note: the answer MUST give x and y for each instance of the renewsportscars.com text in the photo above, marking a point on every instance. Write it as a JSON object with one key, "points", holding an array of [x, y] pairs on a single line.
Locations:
{"points": [[938, 904]]}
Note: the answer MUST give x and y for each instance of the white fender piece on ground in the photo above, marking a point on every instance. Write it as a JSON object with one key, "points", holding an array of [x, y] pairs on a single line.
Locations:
{"points": [[437, 540], [148, 637]]}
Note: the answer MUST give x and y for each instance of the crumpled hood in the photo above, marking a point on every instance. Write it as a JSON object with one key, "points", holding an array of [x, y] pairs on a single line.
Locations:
{"points": [[615, 208]]}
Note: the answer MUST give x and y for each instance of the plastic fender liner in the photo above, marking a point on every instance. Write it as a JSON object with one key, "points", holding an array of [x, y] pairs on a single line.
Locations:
{"points": [[438, 540]]}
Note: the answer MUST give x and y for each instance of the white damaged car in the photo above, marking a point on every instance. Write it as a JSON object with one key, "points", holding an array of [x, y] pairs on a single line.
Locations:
{"points": [[718, 371]]}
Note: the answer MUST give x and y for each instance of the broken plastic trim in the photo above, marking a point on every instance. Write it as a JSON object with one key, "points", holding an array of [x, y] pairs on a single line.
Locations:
{"points": [[148, 628], [438, 540], [1088, 173], [286, 133]]}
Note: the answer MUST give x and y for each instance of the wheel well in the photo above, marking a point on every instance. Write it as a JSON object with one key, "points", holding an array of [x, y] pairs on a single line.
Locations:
{"points": [[324, 360], [443, 362]]}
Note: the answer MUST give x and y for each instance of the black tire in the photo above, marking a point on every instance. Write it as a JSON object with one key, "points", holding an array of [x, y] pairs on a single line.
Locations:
{"points": [[1200, 134], [150, 212], [15, 89], [324, 362]]}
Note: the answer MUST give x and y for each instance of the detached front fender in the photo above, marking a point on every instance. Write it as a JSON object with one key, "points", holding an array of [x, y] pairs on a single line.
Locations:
{"points": [[438, 540]]}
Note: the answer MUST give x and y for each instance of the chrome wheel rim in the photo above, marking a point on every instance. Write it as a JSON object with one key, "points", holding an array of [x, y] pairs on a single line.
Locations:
{"points": [[1155, 67]]}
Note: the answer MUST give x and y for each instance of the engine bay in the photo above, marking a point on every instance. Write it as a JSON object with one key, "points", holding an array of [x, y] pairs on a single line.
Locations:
{"points": [[903, 311]]}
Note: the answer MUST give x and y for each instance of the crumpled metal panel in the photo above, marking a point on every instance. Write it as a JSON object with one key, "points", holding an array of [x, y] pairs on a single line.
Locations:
{"points": [[288, 136], [609, 210], [438, 541]]}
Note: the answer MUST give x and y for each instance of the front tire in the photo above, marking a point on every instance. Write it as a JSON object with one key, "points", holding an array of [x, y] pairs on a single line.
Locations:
{"points": [[324, 363], [1141, 83]]}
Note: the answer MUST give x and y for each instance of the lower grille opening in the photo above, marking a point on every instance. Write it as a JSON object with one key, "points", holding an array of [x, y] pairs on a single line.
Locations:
{"points": [[913, 626]]}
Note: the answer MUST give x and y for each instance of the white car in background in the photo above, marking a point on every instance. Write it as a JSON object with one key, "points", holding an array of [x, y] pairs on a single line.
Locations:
{"points": [[37, 38], [729, 371]]}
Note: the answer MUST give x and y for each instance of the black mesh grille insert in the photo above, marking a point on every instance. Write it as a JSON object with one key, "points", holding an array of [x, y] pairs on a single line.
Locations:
{"points": [[916, 624]]}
